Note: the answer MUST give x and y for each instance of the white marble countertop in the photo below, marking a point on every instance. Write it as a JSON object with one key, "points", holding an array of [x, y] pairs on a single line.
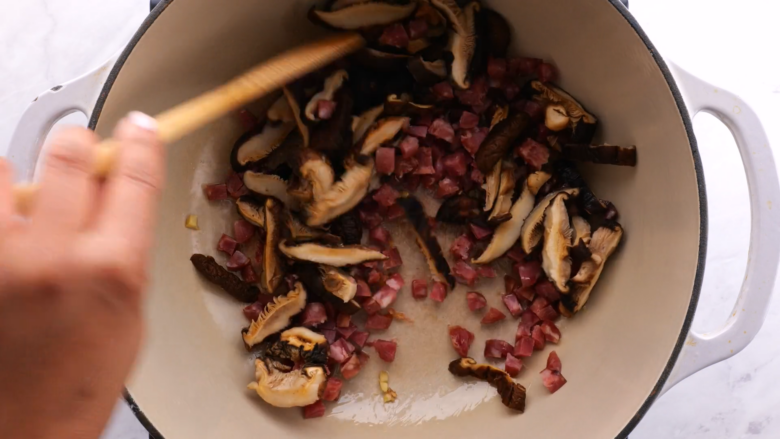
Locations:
{"points": [[46, 42]]}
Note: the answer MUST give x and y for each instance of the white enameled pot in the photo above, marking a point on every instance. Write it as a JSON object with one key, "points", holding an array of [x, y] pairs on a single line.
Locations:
{"points": [[631, 344]]}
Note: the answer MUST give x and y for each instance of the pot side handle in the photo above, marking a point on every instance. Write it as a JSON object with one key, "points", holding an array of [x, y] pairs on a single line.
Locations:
{"points": [[78, 95], [704, 349]]}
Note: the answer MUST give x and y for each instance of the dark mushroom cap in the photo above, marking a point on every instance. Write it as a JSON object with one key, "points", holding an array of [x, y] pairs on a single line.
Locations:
{"points": [[500, 140], [218, 275]]}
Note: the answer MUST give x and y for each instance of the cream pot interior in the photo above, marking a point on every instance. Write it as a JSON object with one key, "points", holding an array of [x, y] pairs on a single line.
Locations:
{"points": [[190, 381]]}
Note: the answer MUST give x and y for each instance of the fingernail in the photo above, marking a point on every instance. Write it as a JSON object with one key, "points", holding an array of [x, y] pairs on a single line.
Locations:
{"points": [[142, 120]]}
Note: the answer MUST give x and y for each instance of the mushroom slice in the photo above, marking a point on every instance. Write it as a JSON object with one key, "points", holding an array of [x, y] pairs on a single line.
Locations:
{"points": [[532, 230], [342, 196], [296, 388], [296, 111], [556, 118], [316, 169], [273, 268], [537, 180], [300, 232], [601, 154], [334, 256], [568, 174], [252, 210], [512, 393], [500, 139], [341, 4], [402, 106], [339, 283], [501, 113], [276, 316], [506, 233], [506, 190], [301, 337], [462, 39], [313, 277], [491, 186], [361, 124], [581, 230], [603, 243], [363, 15], [256, 145], [573, 108], [268, 185], [428, 244], [332, 84], [383, 131], [281, 111], [557, 240], [218, 275], [427, 72]]}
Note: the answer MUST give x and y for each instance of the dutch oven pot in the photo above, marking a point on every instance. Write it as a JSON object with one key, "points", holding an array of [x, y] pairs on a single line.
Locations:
{"points": [[631, 344]]}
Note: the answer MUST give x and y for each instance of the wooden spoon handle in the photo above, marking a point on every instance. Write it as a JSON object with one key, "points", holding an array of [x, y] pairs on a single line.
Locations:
{"points": [[197, 112]]}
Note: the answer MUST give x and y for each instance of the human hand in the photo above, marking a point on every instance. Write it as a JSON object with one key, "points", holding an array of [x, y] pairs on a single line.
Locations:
{"points": [[72, 279]]}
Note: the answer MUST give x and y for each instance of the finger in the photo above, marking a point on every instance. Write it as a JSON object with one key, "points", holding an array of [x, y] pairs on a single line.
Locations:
{"points": [[65, 198], [133, 188], [6, 194]]}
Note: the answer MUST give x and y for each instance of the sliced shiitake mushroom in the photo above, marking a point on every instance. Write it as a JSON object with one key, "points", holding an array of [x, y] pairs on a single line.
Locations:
{"points": [[342, 196], [556, 118], [556, 262], [463, 37], [402, 106], [273, 271], [315, 168], [383, 131], [252, 210], [503, 205], [361, 124], [506, 233], [269, 185], [258, 144], [281, 111], [276, 315], [313, 277], [512, 393], [573, 108], [537, 180], [329, 255], [602, 244], [218, 275], [601, 154], [569, 176], [427, 72], [492, 185], [501, 113], [532, 230], [363, 15], [332, 84], [339, 283], [300, 232], [500, 139], [581, 230], [428, 244], [288, 388]]}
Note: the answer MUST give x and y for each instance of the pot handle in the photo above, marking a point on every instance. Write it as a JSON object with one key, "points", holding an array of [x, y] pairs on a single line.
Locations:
{"points": [[704, 349], [78, 95]]}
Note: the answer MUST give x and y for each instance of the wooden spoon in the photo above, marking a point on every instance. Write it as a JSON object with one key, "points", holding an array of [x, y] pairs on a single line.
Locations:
{"points": [[197, 112]]}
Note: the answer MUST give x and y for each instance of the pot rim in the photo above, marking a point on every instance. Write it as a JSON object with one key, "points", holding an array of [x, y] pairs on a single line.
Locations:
{"points": [[682, 108]]}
